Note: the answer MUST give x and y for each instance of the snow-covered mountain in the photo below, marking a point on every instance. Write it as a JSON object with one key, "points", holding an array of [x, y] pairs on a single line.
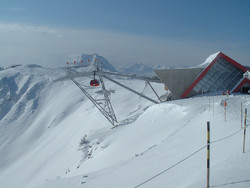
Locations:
{"points": [[139, 68], [87, 59], [51, 136]]}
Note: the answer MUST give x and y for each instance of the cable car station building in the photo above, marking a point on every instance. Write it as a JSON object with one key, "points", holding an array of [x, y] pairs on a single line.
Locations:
{"points": [[217, 74]]}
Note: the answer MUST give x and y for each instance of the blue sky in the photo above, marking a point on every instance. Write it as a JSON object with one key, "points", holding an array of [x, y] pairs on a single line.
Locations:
{"points": [[170, 33]]}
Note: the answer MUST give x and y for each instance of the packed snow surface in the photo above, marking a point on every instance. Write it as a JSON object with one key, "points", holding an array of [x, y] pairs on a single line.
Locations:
{"points": [[51, 136], [209, 60]]}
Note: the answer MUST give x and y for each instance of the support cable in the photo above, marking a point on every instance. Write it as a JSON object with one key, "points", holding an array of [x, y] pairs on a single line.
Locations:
{"points": [[226, 137], [184, 159], [174, 165], [128, 88]]}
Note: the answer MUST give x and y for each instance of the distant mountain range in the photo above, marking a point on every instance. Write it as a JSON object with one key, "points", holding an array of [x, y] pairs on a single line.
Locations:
{"points": [[139, 68], [136, 68]]}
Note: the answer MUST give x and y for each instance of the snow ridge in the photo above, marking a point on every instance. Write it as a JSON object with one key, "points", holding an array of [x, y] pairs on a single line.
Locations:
{"points": [[209, 60], [51, 136]]}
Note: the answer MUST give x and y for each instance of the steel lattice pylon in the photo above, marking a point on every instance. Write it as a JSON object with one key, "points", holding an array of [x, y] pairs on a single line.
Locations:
{"points": [[103, 103]]}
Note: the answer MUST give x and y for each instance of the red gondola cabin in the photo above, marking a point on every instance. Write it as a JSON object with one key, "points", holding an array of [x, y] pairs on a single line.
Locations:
{"points": [[94, 83]]}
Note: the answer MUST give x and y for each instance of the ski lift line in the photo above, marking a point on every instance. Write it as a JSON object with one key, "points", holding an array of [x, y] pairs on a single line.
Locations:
{"points": [[132, 76], [118, 74], [80, 74], [79, 66], [72, 74], [140, 94], [154, 91]]}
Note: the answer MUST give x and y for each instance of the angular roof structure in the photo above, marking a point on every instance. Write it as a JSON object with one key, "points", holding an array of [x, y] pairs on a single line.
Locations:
{"points": [[178, 80], [219, 72]]}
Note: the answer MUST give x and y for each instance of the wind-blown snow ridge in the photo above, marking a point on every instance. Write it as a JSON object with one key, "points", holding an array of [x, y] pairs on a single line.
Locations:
{"points": [[209, 60]]}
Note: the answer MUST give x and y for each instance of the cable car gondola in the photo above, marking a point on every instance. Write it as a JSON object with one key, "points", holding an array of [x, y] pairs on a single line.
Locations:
{"points": [[94, 82]]}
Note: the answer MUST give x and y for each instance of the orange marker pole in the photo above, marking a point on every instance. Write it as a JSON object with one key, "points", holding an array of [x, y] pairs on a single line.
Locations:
{"points": [[208, 153], [225, 110]]}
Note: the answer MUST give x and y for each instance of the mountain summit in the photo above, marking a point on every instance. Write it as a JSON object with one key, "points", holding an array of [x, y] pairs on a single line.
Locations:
{"points": [[90, 59]]}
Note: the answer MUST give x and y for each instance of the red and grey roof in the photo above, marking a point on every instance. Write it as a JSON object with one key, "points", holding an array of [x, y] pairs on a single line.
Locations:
{"points": [[218, 73], [223, 73]]}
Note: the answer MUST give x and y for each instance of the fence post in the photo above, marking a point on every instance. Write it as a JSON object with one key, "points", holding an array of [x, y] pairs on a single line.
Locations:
{"points": [[245, 125], [208, 153]]}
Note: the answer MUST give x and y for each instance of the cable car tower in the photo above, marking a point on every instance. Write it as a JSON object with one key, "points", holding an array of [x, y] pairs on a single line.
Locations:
{"points": [[102, 103]]}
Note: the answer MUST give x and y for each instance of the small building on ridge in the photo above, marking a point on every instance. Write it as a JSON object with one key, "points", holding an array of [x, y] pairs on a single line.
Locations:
{"points": [[218, 73]]}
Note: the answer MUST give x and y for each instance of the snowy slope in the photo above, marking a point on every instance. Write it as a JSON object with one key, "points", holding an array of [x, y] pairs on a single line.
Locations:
{"points": [[52, 136]]}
